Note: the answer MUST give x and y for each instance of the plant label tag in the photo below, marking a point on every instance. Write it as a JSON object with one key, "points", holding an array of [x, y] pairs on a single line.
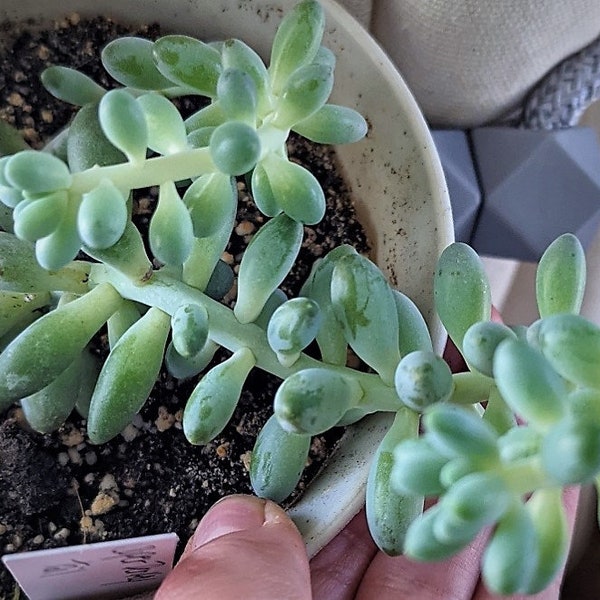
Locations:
{"points": [[104, 570]]}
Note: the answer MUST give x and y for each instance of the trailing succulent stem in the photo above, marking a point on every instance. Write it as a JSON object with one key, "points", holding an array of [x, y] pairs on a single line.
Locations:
{"points": [[72, 262]]}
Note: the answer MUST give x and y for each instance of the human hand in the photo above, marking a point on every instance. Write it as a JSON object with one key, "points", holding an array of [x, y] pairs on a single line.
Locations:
{"points": [[247, 547]]}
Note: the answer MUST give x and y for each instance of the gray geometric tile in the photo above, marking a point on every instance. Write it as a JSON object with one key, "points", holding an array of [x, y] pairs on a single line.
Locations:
{"points": [[457, 164], [535, 186]]}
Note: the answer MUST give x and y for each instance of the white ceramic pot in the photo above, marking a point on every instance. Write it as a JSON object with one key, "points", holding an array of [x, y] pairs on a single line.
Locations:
{"points": [[395, 175]]}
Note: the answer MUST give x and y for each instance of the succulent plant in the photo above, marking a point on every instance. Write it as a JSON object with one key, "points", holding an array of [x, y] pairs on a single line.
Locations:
{"points": [[71, 261]]}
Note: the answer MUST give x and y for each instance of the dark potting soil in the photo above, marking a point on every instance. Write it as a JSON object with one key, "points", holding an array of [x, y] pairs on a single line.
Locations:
{"points": [[59, 489]]}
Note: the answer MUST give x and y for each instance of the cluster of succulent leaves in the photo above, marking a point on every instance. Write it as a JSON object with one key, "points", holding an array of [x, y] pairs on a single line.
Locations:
{"points": [[501, 440], [486, 468]]}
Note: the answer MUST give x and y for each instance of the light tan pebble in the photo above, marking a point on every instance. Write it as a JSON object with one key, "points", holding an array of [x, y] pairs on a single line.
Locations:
{"points": [[130, 433], [222, 450], [165, 419], [17, 541], [245, 228], [62, 534], [128, 492], [227, 258], [74, 456], [193, 524], [89, 478], [108, 483], [179, 415], [3, 529], [43, 52], [51, 528], [9, 548], [38, 539], [74, 18], [86, 524], [103, 503], [72, 437], [63, 459], [246, 459], [15, 99]]}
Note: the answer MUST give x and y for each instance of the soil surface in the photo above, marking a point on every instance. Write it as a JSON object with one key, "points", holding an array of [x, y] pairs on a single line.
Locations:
{"points": [[59, 489]]}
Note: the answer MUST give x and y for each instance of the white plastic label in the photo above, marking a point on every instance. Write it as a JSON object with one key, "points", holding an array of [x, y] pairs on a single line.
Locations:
{"points": [[104, 570]]}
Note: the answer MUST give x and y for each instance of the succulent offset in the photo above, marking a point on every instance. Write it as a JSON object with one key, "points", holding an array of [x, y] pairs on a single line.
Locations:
{"points": [[487, 467]]}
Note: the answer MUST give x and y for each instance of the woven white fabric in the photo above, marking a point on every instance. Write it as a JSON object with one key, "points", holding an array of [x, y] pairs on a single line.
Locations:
{"points": [[470, 62]]}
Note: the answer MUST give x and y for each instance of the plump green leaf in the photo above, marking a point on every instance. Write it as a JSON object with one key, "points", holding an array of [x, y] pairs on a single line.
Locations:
{"points": [[128, 255], [166, 129], [120, 321], [209, 116], [313, 400], [262, 193], [21, 272], [364, 304], [52, 343], [560, 277], [184, 368], [571, 344], [189, 325], [292, 327], [547, 511], [36, 219], [473, 502], [421, 543], [456, 431], [58, 249], [102, 216], [214, 399], [47, 409], [36, 172], [265, 264], [278, 459], [124, 124], [18, 307], [296, 42], [130, 61], [189, 63], [171, 232], [416, 468], [237, 95], [294, 189], [238, 55], [571, 451], [389, 513], [529, 384], [413, 333], [72, 86], [512, 554], [235, 148], [330, 337], [305, 92], [128, 375], [211, 200], [461, 290], [480, 342], [422, 378], [87, 144]]}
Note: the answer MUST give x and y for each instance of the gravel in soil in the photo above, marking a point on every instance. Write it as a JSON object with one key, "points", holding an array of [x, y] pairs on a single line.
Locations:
{"points": [[59, 489]]}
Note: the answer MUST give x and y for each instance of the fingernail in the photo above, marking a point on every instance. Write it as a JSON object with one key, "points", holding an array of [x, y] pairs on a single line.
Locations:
{"points": [[231, 514]]}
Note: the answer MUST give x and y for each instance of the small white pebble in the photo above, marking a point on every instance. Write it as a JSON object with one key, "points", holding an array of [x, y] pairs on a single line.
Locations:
{"points": [[130, 433], [108, 483], [91, 458], [63, 459], [74, 456], [38, 539], [62, 534]]}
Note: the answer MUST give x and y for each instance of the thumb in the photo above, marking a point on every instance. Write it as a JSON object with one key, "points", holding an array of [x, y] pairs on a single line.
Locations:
{"points": [[244, 547]]}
